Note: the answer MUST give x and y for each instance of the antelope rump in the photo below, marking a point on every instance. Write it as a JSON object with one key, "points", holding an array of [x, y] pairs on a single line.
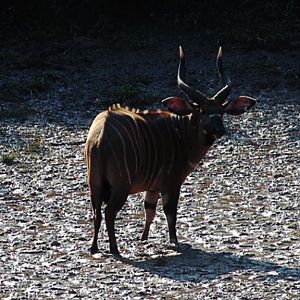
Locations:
{"points": [[130, 151]]}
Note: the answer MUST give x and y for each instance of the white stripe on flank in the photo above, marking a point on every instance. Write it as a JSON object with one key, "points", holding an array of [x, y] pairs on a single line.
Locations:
{"points": [[130, 137], [147, 165], [137, 136], [156, 151], [124, 151], [114, 155], [164, 151]]}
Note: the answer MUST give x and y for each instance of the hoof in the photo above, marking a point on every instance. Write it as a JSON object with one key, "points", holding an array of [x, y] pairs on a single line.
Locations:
{"points": [[94, 250], [173, 246], [114, 252], [117, 256]]}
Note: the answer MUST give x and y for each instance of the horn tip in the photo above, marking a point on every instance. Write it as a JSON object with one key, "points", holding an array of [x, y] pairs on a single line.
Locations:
{"points": [[220, 52], [181, 53]]}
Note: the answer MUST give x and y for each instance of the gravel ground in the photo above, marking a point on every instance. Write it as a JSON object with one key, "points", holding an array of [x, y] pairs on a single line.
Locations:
{"points": [[238, 220]]}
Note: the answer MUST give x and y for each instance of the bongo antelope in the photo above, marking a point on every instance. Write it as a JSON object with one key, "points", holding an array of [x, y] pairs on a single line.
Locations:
{"points": [[130, 150]]}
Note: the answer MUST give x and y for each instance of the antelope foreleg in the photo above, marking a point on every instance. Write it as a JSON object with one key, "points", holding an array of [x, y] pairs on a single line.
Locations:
{"points": [[150, 210], [170, 202]]}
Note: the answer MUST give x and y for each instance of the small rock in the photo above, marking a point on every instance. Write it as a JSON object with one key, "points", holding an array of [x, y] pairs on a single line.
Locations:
{"points": [[55, 244], [17, 192]]}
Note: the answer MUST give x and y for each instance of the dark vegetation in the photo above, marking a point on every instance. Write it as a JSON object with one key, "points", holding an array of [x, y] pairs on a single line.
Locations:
{"points": [[51, 45], [254, 24], [279, 18]]}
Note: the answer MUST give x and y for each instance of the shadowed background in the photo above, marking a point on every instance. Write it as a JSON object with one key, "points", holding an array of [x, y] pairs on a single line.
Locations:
{"points": [[268, 24]]}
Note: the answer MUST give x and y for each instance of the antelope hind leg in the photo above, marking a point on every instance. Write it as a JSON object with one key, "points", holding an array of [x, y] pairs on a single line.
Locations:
{"points": [[96, 204], [115, 203]]}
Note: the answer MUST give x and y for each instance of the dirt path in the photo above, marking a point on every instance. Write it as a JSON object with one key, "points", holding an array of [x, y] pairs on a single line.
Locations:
{"points": [[238, 220]]}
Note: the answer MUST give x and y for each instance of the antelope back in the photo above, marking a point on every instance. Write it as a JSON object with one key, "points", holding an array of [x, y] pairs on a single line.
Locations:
{"points": [[145, 149]]}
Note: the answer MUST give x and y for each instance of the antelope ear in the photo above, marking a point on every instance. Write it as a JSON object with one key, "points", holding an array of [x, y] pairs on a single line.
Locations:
{"points": [[177, 105], [239, 105]]}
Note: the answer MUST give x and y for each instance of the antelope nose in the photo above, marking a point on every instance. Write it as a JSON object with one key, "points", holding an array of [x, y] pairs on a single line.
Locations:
{"points": [[219, 133], [219, 129]]}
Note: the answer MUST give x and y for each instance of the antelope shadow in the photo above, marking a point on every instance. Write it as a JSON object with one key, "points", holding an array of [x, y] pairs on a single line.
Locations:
{"points": [[195, 265]]}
